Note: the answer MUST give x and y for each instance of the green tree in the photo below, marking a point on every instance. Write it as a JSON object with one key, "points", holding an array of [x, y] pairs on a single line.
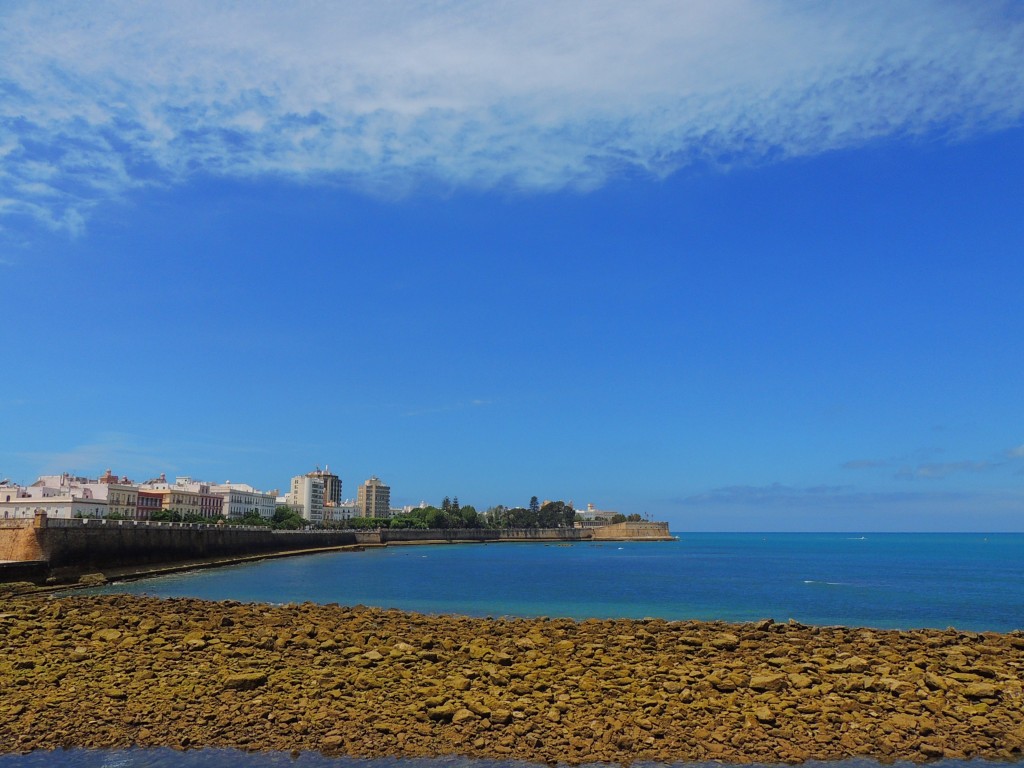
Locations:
{"points": [[523, 518], [550, 515], [534, 504], [252, 517], [367, 523], [470, 517], [494, 517], [436, 518], [287, 519]]}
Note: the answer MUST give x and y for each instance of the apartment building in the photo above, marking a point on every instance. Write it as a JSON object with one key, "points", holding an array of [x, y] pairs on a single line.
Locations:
{"points": [[241, 499], [306, 496], [374, 498], [185, 496]]}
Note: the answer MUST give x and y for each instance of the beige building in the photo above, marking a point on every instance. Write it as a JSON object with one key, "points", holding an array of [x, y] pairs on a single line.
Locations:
{"points": [[185, 496], [374, 498], [121, 494]]}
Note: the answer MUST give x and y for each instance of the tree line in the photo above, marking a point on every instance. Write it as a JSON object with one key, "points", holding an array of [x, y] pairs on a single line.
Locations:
{"points": [[450, 515]]}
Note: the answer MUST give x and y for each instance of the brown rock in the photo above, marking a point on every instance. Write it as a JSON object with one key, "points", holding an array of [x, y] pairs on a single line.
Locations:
{"points": [[769, 682], [444, 712], [981, 691], [853, 664], [726, 641], [245, 681]]}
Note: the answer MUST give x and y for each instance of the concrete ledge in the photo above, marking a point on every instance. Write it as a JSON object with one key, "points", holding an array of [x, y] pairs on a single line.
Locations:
{"points": [[35, 571]]}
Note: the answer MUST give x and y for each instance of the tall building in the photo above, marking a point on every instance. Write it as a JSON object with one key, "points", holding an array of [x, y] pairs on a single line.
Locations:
{"points": [[374, 498], [332, 485], [306, 496]]}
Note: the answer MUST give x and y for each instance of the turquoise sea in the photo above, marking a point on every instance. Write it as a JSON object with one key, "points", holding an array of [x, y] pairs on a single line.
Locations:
{"points": [[970, 581]]}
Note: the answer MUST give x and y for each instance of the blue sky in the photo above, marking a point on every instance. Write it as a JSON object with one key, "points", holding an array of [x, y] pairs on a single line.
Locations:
{"points": [[741, 266]]}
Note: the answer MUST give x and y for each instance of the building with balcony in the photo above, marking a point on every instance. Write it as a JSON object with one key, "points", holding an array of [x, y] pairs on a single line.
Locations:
{"points": [[241, 499], [332, 484], [306, 496], [374, 499], [185, 497]]}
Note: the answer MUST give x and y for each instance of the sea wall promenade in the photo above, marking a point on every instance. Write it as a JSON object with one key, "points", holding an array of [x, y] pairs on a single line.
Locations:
{"points": [[53, 548], [120, 671]]}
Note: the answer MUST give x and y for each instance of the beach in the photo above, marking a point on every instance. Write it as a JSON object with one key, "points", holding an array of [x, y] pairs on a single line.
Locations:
{"points": [[114, 671]]}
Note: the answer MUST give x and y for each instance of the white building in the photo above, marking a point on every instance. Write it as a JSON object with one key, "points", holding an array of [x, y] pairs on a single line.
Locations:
{"points": [[9, 490], [340, 512], [241, 499], [54, 506], [307, 498], [592, 513], [121, 494], [63, 496]]}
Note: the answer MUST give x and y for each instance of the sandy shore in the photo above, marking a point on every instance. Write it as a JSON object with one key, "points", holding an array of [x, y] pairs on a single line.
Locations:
{"points": [[114, 671]]}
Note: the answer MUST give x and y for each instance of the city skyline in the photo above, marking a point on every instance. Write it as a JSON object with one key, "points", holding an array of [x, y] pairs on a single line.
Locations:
{"points": [[738, 266]]}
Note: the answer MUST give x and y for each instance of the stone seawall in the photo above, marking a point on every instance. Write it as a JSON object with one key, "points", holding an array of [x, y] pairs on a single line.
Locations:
{"points": [[634, 531], [412, 535], [96, 545], [19, 541]]}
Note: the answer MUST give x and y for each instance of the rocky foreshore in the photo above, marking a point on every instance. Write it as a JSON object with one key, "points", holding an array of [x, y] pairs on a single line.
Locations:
{"points": [[115, 671]]}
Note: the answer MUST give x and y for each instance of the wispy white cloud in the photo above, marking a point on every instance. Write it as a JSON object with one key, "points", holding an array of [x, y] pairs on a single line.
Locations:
{"points": [[942, 470], [97, 100], [132, 455], [116, 451], [841, 508], [775, 494]]}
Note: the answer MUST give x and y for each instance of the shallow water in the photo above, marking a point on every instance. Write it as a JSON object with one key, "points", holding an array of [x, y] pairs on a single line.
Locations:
{"points": [[970, 581]]}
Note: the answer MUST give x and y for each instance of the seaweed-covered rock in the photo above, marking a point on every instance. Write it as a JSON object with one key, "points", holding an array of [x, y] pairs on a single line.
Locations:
{"points": [[368, 683]]}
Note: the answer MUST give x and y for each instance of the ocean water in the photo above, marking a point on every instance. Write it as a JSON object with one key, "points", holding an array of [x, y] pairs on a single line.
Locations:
{"points": [[968, 581]]}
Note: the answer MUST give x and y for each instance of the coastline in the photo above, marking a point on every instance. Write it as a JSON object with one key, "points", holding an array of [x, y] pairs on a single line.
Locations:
{"points": [[59, 551], [118, 671]]}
